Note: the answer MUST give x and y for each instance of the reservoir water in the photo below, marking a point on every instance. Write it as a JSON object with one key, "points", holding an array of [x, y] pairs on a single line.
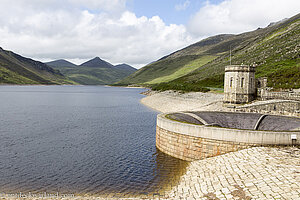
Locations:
{"points": [[80, 139]]}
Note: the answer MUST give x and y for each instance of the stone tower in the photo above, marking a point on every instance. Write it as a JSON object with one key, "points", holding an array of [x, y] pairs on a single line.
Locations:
{"points": [[239, 84]]}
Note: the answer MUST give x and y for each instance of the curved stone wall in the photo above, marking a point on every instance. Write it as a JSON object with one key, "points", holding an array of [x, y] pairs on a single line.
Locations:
{"points": [[197, 141]]}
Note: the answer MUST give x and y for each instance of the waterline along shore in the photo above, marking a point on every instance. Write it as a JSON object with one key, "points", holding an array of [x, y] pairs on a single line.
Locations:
{"points": [[253, 173]]}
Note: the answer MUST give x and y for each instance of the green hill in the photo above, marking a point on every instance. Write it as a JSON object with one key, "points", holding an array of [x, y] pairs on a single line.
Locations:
{"points": [[15, 69], [93, 72], [274, 50]]}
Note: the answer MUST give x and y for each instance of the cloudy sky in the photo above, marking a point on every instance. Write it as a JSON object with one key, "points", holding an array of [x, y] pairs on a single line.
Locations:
{"points": [[127, 31]]}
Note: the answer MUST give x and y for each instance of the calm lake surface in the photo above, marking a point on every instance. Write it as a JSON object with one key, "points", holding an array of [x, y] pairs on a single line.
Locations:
{"points": [[82, 140]]}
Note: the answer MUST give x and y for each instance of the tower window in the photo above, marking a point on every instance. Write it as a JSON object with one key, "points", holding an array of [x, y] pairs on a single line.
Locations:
{"points": [[231, 80], [242, 82]]}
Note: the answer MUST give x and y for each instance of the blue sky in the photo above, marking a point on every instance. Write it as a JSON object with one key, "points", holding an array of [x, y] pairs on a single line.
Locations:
{"points": [[166, 9]]}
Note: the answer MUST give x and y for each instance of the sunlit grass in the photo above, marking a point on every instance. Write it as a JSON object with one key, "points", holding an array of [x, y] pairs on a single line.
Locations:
{"points": [[187, 68]]}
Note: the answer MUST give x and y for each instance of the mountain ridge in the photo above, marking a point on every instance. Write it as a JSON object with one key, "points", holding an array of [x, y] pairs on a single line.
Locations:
{"points": [[16, 69], [202, 64], [60, 62], [97, 63], [94, 71], [125, 66]]}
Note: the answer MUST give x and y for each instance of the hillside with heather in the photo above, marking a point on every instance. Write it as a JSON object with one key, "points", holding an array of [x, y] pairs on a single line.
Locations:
{"points": [[16, 69], [274, 50]]}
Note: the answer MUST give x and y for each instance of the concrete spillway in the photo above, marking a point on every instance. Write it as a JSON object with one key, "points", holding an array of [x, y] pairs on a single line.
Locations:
{"points": [[197, 135], [247, 121]]}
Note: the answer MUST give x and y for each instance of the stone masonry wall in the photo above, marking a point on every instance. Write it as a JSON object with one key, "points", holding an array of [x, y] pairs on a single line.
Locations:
{"points": [[194, 148], [264, 94], [280, 107]]}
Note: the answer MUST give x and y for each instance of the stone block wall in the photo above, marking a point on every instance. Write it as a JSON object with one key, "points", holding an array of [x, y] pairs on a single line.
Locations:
{"points": [[194, 148], [281, 107], [264, 94]]}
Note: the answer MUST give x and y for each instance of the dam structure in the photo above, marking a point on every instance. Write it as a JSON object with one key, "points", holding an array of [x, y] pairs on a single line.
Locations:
{"points": [[198, 135]]}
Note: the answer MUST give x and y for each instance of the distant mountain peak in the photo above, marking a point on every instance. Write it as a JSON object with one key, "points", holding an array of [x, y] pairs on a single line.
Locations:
{"points": [[61, 63], [62, 60], [96, 58], [98, 63], [125, 66]]}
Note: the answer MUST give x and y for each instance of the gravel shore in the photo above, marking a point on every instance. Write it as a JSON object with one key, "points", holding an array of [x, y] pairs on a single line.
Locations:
{"points": [[170, 101]]}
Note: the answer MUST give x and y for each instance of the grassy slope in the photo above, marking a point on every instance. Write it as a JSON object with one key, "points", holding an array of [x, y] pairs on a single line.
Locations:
{"points": [[276, 56], [275, 51], [15, 69], [158, 69], [176, 64], [94, 76], [185, 69], [10, 77]]}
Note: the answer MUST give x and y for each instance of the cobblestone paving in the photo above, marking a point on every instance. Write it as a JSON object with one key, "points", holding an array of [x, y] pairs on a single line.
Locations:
{"points": [[255, 173]]}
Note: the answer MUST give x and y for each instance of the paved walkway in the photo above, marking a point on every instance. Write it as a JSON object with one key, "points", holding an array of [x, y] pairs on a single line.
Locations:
{"points": [[255, 173]]}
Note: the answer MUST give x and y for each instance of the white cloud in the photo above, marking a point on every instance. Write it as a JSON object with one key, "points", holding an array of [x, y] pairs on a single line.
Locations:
{"points": [[48, 30], [183, 6], [235, 16], [78, 30]]}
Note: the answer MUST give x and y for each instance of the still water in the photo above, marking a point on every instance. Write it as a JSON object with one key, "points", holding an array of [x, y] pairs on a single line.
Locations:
{"points": [[82, 140]]}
